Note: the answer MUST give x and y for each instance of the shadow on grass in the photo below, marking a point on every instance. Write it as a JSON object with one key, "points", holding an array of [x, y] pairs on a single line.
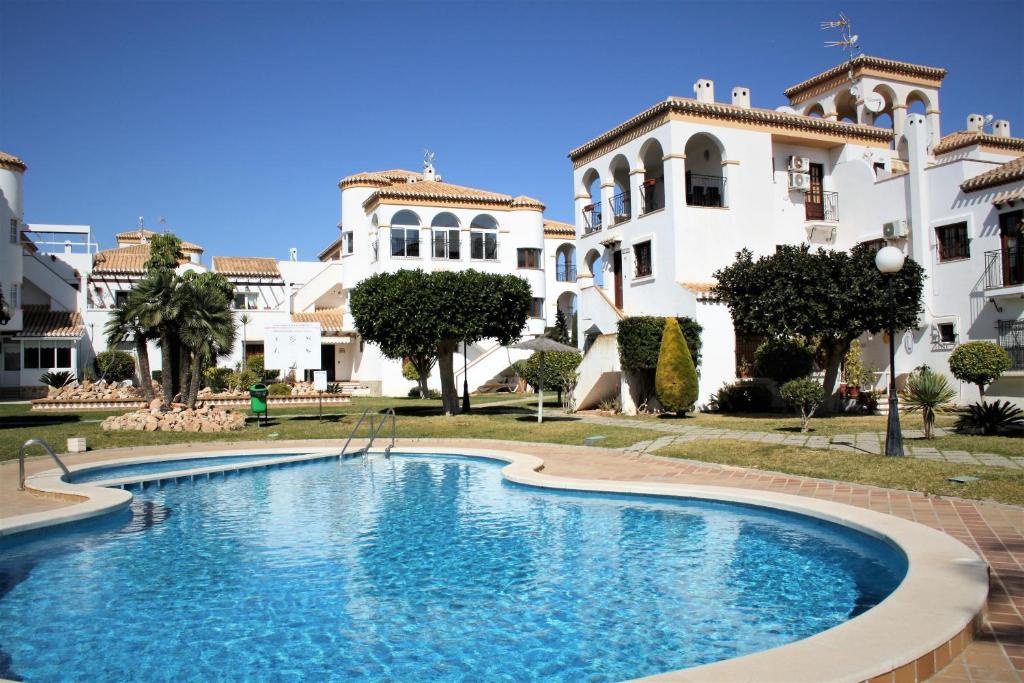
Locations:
{"points": [[556, 418], [314, 418], [14, 422]]}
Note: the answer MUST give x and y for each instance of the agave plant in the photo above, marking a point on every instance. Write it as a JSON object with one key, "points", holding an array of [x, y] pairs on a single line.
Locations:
{"points": [[928, 392], [989, 418], [58, 379]]}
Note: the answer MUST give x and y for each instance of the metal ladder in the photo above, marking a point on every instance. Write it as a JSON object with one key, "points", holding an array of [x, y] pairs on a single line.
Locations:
{"points": [[374, 432], [21, 460]]}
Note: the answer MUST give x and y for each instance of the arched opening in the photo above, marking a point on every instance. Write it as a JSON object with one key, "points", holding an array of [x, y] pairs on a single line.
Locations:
{"points": [[620, 201], [652, 191], [918, 103], [815, 110], [445, 236], [483, 238], [567, 302], [405, 235], [705, 178], [595, 266], [846, 107], [565, 263], [592, 211]]}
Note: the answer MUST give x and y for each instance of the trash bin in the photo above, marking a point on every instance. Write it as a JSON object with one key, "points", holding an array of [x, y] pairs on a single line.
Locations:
{"points": [[258, 397]]}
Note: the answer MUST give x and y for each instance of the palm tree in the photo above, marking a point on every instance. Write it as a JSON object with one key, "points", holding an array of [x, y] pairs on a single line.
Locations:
{"points": [[207, 326], [928, 392], [156, 305], [123, 325]]}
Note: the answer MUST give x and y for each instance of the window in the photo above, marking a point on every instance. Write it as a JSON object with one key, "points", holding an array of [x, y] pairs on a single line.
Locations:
{"points": [[246, 301], [405, 242], [63, 357], [1011, 338], [946, 333], [31, 357], [12, 355], [953, 242], [14, 231], [642, 259], [14, 297], [446, 244], [121, 297], [43, 356], [347, 242], [483, 238], [529, 258], [537, 308]]}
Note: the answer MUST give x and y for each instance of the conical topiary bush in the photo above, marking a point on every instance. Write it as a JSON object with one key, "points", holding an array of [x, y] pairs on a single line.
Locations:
{"points": [[675, 380]]}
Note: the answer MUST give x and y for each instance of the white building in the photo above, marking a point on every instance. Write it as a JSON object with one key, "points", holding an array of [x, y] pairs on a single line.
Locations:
{"points": [[666, 198]]}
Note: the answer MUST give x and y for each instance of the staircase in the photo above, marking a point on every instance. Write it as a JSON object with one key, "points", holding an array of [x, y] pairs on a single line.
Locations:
{"points": [[306, 296], [600, 373]]}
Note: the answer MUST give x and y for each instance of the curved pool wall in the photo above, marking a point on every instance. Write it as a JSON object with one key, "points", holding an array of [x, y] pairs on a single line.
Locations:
{"points": [[931, 611], [134, 472]]}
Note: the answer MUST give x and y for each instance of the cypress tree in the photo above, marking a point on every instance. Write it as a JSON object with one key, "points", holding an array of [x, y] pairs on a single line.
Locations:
{"points": [[675, 380]]}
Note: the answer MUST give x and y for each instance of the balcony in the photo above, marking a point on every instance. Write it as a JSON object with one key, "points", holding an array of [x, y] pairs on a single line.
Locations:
{"points": [[825, 210], [565, 274], [652, 195], [705, 190], [621, 207], [1004, 269], [1011, 338], [591, 219]]}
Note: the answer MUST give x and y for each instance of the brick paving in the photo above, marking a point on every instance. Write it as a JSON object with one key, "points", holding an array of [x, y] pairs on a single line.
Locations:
{"points": [[994, 531]]}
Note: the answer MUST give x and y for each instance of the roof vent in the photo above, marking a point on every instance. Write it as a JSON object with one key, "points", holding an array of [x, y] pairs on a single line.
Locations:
{"points": [[1001, 128], [741, 97], [975, 123], [293, 254], [704, 90]]}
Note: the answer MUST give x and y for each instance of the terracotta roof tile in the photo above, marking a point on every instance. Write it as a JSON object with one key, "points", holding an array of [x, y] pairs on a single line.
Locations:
{"points": [[706, 289], [330, 319], [558, 229], [524, 202], [129, 260], [964, 138], [40, 321], [240, 265], [1009, 172], [12, 162], [1011, 197], [880, 63], [379, 178], [136, 236], [433, 190]]}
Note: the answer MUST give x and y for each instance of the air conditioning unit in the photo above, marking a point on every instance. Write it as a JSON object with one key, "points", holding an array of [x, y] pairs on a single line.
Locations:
{"points": [[799, 164], [894, 229], [799, 181]]}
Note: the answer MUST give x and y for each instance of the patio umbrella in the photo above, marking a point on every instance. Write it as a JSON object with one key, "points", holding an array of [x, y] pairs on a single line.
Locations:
{"points": [[543, 345]]}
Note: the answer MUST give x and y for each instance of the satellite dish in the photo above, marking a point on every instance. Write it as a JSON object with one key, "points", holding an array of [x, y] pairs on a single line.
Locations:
{"points": [[874, 102], [855, 91], [786, 110]]}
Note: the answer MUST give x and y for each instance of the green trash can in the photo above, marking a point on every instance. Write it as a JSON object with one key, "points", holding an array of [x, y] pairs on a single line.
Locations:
{"points": [[258, 400]]}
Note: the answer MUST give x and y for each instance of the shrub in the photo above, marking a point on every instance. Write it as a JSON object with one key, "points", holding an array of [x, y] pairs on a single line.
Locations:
{"points": [[256, 364], [980, 363], [559, 366], [431, 393], [280, 389], [675, 380], [57, 379], [783, 359], [804, 395], [610, 405], [855, 373], [218, 379], [334, 388], [410, 372], [989, 418], [742, 397], [115, 366], [640, 341], [928, 392], [241, 380]]}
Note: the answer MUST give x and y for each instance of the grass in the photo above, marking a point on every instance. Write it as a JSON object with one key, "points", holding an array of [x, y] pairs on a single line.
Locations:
{"points": [[415, 418], [995, 483]]}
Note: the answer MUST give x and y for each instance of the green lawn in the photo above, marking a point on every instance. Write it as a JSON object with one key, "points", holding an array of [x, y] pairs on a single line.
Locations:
{"points": [[416, 418], [996, 483]]}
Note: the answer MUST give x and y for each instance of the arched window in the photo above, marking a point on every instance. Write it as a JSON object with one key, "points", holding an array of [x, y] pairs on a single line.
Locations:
{"points": [[620, 201], [445, 231], [405, 235], [592, 211], [652, 189], [846, 107], [565, 263], [705, 180], [815, 110], [483, 238], [595, 266]]}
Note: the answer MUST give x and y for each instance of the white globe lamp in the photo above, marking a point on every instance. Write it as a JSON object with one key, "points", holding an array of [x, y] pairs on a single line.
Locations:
{"points": [[889, 259]]}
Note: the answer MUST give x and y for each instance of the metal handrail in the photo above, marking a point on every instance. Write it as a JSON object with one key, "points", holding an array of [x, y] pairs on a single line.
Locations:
{"points": [[355, 429], [21, 460], [394, 431]]}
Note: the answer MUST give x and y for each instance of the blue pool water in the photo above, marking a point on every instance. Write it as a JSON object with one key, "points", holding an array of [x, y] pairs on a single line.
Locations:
{"points": [[147, 468], [420, 568]]}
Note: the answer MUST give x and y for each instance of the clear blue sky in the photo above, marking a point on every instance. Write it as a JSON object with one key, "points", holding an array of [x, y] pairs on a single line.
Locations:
{"points": [[236, 120]]}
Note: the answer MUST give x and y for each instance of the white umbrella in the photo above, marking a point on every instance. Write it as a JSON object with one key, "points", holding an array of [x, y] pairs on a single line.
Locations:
{"points": [[543, 345]]}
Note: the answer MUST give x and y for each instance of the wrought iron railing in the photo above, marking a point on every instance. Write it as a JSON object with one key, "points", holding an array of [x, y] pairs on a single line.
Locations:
{"points": [[705, 190], [591, 218], [620, 204], [1004, 267], [825, 210], [1011, 338], [652, 195], [565, 274]]}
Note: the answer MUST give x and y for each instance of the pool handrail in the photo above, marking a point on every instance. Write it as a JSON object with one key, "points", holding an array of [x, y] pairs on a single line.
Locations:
{"points": [[387, 449], [355, 429], [21, 460]]}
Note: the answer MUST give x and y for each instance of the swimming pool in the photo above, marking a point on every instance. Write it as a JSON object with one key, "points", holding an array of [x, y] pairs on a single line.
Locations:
{"points": [[421, 567], [141, 469]]}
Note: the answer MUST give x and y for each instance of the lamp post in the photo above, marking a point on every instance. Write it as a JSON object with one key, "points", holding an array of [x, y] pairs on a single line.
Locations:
{"points": [[465, 380], [889, 260]]}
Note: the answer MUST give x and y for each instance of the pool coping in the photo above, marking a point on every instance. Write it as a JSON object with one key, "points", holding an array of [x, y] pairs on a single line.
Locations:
{"points": [[925, 623]]}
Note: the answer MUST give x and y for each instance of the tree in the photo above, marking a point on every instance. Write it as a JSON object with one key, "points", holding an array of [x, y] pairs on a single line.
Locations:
{"points": [[153, 298], [115, 366], [639, 341], [124, 325], [559, 370], [207, 326], [928, 392], [804, 395], [832, 296], [676, 376], [783, 359], [425, 317], [560, 330], [980, 363]]}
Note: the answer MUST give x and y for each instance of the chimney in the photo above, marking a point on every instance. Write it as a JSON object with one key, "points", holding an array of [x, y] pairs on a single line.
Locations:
{"points": [[741, 97], [975, 123], [1001, 128], [704, 90], [293, 254]]}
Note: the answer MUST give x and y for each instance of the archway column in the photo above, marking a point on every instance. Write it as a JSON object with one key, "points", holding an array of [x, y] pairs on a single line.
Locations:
{"points": [[899, 119], [636, 178], [580, 201], [932, 117]]}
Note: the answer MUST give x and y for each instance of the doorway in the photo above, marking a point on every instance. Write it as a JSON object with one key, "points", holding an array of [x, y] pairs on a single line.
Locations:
{"points": [[814, 203], [617, 269]]}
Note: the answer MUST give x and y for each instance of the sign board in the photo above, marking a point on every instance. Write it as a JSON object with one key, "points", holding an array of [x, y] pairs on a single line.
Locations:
{"points": [[292, 346], [319, 380]]}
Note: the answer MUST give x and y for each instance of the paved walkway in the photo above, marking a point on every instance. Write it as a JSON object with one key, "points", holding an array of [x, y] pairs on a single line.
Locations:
{"points": [[865, 442], [994, 531]]}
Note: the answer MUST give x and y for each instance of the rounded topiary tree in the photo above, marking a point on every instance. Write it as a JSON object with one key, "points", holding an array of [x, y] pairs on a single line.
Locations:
{"points": [[675, 380], [783, 359], [980, 363], [804, 395], [559, 370], [115, 366]]}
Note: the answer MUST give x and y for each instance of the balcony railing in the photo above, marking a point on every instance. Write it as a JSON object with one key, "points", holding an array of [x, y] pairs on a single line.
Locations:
{"points": [[652, 195], [1004, 267], [705, 190], [591, 218], [825, 210], [565, 274], [1011, 338], [620, 204]]}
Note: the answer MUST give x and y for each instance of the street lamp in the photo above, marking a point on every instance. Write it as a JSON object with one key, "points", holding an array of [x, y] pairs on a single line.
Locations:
{"points": [[889, 260]]}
